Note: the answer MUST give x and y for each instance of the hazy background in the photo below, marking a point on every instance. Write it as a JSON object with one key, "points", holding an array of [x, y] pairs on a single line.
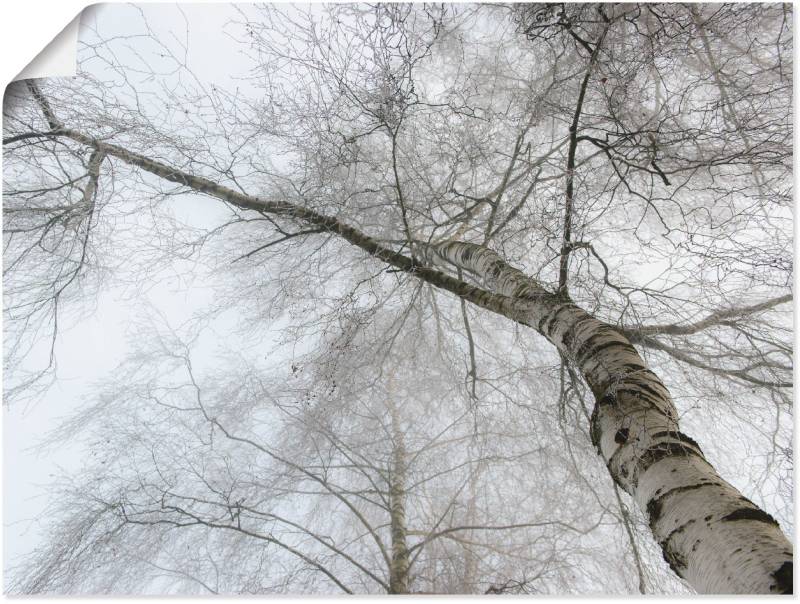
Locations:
{"points": [[95, 339]]}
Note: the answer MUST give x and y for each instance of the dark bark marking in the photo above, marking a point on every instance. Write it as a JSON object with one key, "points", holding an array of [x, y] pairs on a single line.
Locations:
{"points": [[658, 401], [676, 561], [589, 349], [633, 367], [656, 504], [654, 510], [601, 331], [678, 436], [527, 292], [663, 450], [554, 319], [540, 326], [621, 436], [746, 500], [596, 350], [570, 334], [679, 530], [653, 401], [615, 478], [784, 578], [644, 385], [697, 485], [624, 469], [750, 514], [594, 427]]}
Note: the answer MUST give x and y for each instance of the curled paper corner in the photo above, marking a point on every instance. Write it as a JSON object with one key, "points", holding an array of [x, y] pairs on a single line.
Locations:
{"points": [[59, 57]]}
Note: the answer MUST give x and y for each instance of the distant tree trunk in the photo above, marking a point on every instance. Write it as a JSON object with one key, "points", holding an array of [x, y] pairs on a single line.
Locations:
{"points": [[710, 534], [398, 572], [470, 559]]}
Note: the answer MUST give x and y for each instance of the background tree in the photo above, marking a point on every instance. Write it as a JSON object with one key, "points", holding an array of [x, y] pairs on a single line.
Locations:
{"points": [[632, 160], [218, 483]]}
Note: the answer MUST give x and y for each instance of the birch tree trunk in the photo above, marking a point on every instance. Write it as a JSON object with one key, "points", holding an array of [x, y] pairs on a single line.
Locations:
{"points": [[470, 558], [710, 534], [398, 572]]}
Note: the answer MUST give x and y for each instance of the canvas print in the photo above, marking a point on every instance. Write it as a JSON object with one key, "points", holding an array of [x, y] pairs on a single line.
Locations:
{"points": [[438, 298]]}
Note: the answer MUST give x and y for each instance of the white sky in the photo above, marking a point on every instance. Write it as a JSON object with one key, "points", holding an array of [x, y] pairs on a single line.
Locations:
{"points": [[89, 349]]}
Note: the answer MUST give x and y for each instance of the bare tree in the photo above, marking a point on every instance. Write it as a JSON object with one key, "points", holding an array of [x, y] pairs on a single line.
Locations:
{"points": [[334, 487], [634, 160]]}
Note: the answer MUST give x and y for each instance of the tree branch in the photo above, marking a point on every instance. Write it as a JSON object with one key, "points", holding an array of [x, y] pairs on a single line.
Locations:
{"points": [[719, 317]]}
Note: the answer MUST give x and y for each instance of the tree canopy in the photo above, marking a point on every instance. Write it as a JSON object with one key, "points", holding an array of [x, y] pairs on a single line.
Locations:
{"points": [[436, 258]]}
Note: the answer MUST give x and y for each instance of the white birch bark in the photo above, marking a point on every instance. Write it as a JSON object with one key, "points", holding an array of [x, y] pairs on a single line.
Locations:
{"points": [[710, 534], [398, 572]]}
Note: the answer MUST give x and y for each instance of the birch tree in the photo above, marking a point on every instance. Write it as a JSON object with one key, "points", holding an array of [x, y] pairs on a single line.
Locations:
{"points": [[610, 181]]}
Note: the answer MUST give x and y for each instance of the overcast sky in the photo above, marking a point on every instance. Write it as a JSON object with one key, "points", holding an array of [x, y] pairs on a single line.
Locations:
{"points": [[92, 344], [95, 342]]}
